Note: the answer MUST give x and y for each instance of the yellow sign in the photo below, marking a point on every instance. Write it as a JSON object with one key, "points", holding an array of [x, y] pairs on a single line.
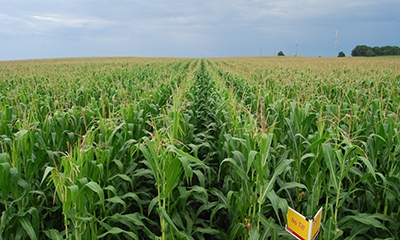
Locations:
{"points": [[316, 224], [301, 227]]}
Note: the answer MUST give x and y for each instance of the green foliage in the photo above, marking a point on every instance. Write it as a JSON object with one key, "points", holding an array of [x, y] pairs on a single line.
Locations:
{"points": [[198, 149], [369, 53], [341, 54], [280, 53], [363, 50]]}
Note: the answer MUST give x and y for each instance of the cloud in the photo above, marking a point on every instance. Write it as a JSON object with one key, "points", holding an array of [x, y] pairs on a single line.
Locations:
{"points": [[57, 20], [7, 19]]}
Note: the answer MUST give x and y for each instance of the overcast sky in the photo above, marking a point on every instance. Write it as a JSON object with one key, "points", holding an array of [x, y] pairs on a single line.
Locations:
{"points": [[193, 28]]}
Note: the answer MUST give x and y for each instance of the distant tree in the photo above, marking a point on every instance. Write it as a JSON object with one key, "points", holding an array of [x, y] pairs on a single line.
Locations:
{"points": [[280, 53], [360, 50], [363, 50], [341, 54], [386, 50], [390, 50], [370, 53], [396, 50], [378, 51]]}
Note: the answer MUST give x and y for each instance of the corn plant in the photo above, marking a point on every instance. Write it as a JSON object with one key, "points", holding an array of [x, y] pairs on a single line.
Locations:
{"points": [[148, 148]]}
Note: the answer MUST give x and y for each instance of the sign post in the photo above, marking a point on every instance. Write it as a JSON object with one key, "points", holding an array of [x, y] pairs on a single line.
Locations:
{"points": [[301, 227]]}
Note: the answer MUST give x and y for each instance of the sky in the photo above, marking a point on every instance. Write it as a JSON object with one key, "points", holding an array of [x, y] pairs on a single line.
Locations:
{"points": [[32, 29]]}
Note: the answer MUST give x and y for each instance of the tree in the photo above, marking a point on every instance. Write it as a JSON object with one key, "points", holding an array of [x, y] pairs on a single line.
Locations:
{"points": [[341, 54], [363, 50], [360, 50], [370, 53], [378, 51], [280, 53]]}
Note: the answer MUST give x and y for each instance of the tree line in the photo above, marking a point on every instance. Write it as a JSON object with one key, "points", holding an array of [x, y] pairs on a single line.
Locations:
{"points": [[367, 51]]}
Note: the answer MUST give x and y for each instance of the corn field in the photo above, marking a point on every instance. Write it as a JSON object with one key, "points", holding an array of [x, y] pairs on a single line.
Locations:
{"points": [[135, 148]]}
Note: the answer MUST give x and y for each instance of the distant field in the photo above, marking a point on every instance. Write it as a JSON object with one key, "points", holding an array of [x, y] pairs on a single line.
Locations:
{"points": [[388, 56], [169, 148]]}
